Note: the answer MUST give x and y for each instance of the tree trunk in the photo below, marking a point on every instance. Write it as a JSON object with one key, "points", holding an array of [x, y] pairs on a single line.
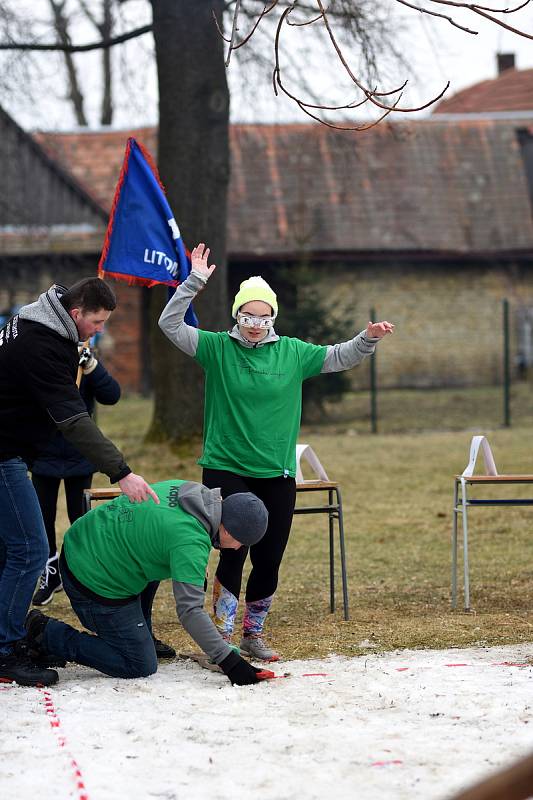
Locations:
{"points": [[106, 31], [194, 167]]}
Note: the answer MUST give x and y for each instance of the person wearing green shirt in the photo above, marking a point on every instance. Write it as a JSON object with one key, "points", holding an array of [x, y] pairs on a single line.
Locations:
{"points": [[253, 403], [113, 552]]}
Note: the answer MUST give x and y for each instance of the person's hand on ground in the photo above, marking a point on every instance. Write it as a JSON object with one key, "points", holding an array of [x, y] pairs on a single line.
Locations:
{"points": [[242, 673]]}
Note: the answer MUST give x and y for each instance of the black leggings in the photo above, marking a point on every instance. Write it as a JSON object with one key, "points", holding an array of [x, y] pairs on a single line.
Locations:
{"points": [[279, 496], [47, 489]]}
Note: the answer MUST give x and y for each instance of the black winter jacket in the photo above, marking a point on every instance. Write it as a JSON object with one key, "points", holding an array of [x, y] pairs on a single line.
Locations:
{"points": [[38, 392], [60, 459]]}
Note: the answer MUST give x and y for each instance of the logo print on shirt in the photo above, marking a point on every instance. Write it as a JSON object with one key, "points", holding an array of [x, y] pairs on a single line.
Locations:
{"points": [[173, 497], [246, 367]]}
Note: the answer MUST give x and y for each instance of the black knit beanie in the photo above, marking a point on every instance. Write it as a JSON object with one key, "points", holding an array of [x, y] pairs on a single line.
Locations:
{"points": [[245, 517]]}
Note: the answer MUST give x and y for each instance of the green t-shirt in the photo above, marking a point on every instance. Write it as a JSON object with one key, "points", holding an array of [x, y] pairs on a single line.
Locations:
{"points": [[119, 547], [253, 402]]}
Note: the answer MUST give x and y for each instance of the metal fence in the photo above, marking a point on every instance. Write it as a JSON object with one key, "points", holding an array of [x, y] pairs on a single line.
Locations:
{"points": [[495, 391]]}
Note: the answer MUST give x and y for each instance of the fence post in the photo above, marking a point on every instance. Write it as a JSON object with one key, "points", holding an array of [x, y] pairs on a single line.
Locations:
{"points": [[506, 366], [373, 384]]}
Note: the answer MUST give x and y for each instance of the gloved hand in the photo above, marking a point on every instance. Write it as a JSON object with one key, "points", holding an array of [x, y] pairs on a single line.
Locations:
{"points": [[87, 360], [239, 671]]}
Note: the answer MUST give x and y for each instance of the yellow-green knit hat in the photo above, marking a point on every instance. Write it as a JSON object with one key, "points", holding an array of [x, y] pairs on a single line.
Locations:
{"points": [[254, 288]]}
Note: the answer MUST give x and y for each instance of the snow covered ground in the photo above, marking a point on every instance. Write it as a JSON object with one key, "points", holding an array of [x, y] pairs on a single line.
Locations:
{"points": [[408, 724]]}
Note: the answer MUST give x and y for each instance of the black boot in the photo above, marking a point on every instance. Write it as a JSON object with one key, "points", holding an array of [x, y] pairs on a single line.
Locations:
{"points": [[163, 650], [17, 667], [35, 624]]}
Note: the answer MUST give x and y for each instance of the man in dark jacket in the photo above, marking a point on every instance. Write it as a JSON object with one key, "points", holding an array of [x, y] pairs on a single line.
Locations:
{"points": [[38, 394], [112, 553]]}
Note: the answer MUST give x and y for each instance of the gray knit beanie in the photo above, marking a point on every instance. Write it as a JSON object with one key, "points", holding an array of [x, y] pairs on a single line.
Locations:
{"points": [[245, 517]]}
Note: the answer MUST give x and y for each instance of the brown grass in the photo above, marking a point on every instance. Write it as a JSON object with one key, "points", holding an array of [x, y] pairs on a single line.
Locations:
{"points": [[397, 492]]}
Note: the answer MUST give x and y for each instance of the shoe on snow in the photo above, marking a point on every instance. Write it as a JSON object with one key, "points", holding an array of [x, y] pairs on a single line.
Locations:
{"points": [[163, 650], [17, 667], [256, 647]]}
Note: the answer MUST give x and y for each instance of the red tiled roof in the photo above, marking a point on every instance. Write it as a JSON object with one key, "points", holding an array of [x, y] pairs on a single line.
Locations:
{"points": [[94, 157], [428, 185], [510, 91]]}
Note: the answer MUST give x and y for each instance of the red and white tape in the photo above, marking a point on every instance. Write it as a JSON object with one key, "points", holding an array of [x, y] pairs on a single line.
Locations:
{"points": [[55, 724]]}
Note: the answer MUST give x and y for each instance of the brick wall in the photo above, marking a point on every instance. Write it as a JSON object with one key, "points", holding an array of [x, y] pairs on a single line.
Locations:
{"points": [[122, 347], [448, 318]]}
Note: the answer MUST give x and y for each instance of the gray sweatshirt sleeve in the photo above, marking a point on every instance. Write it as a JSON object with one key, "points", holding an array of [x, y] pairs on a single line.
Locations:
{"points": [[348, 354], [196, 621], [171, 321]]}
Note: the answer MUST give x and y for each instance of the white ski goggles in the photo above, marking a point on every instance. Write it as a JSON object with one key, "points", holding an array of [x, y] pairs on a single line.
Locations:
{"points": [[248, 321]]}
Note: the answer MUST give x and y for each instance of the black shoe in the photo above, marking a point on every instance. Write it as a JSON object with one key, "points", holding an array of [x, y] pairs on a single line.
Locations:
{"points": [[163, 650], [49, 582], [18, 668], [46, 660], [35, 624]]}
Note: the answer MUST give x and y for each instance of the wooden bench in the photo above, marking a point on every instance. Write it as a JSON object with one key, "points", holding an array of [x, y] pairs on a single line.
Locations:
{"points": [[462, 502]]}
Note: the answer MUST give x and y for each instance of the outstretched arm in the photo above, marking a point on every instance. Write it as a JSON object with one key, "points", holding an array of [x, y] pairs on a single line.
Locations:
{"points": [[171, 321], [348, 354], [190, 608], [198, 624]]}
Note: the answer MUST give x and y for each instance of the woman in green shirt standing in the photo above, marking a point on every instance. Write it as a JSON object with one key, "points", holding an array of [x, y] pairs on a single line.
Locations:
{"points": [[253, 403]]}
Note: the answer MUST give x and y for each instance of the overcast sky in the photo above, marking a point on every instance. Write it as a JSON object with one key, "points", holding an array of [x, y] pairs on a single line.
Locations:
{"points": [[436, 51]]}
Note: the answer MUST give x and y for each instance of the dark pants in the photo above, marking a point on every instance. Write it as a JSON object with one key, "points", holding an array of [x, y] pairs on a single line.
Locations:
{"points": [[279, 496], [123, 646], [47, 488], [23, 549]]}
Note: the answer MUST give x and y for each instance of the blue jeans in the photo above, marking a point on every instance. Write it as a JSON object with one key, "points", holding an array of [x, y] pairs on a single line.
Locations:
{"points": [[123, 646], [23, 549]]}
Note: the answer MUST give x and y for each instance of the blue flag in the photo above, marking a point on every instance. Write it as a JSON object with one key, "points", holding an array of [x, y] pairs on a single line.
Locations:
{"points": [[143, 244]]}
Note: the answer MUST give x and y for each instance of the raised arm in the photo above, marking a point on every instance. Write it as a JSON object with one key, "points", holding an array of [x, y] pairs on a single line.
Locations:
{"points": [[348, 354], [171, 321]]}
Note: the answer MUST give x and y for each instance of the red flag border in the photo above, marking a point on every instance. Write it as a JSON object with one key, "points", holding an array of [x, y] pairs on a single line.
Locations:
{"points": [[132, 280]]}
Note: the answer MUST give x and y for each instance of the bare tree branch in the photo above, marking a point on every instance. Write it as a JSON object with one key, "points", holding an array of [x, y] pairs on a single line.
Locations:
{"points": [[79, 48], [483, 12], [371, 96], [106, 28], [340, 24], [351, 13], [62, 29], [266, 10], [437, 14], [88, 13], [234, 29]]}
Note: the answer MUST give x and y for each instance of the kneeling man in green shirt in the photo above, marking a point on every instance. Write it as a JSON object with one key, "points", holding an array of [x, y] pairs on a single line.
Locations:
{"points": [[110, 555]]}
